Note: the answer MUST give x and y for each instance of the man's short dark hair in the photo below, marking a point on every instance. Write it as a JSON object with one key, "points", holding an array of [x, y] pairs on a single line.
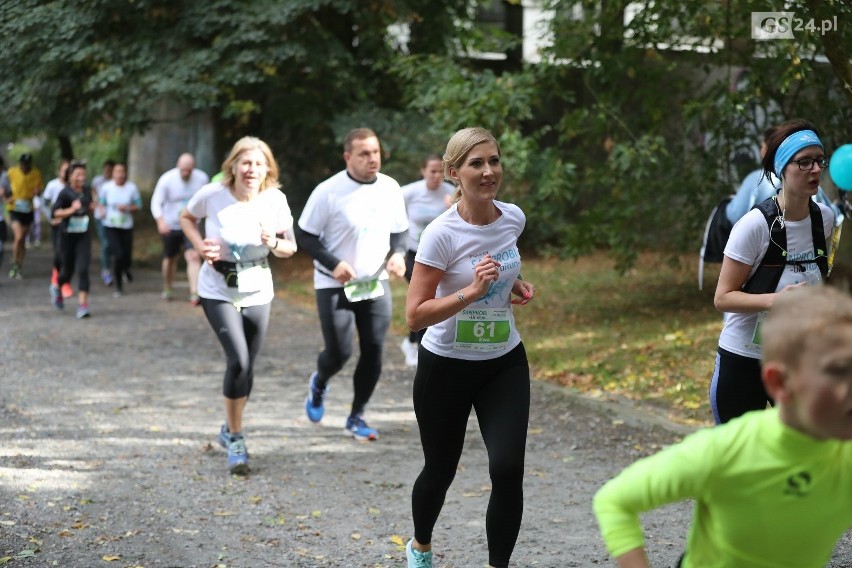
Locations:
{"points": [[357, 134]]}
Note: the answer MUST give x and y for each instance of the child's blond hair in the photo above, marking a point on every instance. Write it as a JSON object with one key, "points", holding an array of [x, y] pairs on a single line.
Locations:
{"points": [[800, 315]]}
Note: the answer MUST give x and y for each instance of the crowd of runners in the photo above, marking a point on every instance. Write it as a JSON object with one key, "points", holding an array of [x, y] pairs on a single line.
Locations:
{"points": [[786, 342]]}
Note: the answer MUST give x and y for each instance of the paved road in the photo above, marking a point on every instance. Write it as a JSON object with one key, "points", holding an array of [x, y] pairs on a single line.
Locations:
{"points": [[109, 454]]}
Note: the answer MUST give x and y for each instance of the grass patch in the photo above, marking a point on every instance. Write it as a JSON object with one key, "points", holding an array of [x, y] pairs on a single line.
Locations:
{"points": [[649, 335]]}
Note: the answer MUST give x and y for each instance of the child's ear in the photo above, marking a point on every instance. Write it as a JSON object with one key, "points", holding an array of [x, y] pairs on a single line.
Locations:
{"points": [[774, 376]]}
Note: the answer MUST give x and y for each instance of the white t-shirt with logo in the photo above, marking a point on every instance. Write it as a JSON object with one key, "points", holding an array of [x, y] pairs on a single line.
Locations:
{"points": [[748, 244], [172, 193], [236, 225], [423, 206], [453, 245], [112, 196], [354, 222]]}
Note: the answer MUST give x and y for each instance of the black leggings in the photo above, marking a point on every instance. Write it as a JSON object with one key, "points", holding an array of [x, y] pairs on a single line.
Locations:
{"points": [[76, 252], [121, 249], [241, 333], [736, 387], [445, 390], [338, 318], [413, 336], [56, 239]]}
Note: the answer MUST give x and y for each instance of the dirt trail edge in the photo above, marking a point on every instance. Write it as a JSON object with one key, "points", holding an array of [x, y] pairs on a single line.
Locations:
{"points": [[109, 454]]}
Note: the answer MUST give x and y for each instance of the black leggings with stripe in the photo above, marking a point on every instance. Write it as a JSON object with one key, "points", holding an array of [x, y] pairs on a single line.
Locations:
{"points": [[736, 386], [445, 391]]}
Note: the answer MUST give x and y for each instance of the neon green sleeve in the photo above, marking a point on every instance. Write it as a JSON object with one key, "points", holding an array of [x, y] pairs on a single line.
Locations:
{"points": [[678, 472], [761, 490]]}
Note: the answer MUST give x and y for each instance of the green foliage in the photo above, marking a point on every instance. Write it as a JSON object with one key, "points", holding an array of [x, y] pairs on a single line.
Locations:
{"points": [[281, 69], [631, 129], [640, 117], [106, 62]]}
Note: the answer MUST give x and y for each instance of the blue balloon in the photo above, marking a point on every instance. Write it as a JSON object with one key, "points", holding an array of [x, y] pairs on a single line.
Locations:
{"points": [[840, 167]]}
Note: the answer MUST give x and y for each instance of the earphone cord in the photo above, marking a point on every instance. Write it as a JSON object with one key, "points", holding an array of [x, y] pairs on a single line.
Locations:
{"points": [[780, 220]]}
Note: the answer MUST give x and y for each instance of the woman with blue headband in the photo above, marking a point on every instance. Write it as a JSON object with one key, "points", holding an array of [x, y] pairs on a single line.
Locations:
{"points": [[778, 245]]}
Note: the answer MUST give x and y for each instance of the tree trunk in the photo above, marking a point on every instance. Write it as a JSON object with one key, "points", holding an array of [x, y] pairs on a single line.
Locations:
{"points": [[514, 19], [834, 51], [66, 151]]}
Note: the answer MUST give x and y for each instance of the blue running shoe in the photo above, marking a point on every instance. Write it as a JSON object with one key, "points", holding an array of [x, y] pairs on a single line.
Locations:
{"points": [[315, 403], [56, 298], [224, 436], [417, 559], [238, 456], [358, 429]]}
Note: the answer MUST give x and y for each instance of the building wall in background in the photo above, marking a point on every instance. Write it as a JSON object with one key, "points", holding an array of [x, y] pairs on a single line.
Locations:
{"points": [[175, 130]]}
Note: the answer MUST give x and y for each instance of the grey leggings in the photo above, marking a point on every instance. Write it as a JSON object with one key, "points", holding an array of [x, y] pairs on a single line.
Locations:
{"points": [[241, 333], [338, 319]]}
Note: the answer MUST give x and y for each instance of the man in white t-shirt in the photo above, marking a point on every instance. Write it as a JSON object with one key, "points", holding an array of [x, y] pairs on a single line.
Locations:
{"points": [[354, 226], [171, 194]]}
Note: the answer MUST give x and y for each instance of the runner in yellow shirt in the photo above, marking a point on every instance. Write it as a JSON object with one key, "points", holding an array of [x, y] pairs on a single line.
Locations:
{"points": [[25, 183]]}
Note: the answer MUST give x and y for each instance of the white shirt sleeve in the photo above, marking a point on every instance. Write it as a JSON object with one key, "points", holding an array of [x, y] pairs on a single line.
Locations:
{"points": [[157, 198], [315, 214]]}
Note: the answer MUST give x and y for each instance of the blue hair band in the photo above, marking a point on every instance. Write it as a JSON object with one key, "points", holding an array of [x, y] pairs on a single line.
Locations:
{"points": [[792, 144]]}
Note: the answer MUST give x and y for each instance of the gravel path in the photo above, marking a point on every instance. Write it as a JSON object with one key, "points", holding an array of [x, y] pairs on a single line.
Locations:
{"points": [[109, 454]]}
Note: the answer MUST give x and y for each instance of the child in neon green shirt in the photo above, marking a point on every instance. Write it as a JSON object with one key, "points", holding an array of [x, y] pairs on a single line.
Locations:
{"points": [[772, 488]]}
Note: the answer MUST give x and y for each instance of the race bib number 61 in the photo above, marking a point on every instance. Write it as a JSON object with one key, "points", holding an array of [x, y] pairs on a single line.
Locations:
{"points": [[482, 329]]}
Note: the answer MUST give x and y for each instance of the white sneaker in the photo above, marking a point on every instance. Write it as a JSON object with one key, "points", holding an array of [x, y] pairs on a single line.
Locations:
{"points": [[409, 349]]}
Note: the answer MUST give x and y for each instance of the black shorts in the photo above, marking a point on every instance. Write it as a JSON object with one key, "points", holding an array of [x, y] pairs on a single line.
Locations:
{"points": [[3, 232], [25, 219], [172, 243]]}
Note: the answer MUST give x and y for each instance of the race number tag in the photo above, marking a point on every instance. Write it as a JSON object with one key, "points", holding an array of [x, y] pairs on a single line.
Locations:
{"points": [[78, 224], [361, 290], [756, 340], [23, 206], [482, 329], [253, 278], [119, 219]]}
